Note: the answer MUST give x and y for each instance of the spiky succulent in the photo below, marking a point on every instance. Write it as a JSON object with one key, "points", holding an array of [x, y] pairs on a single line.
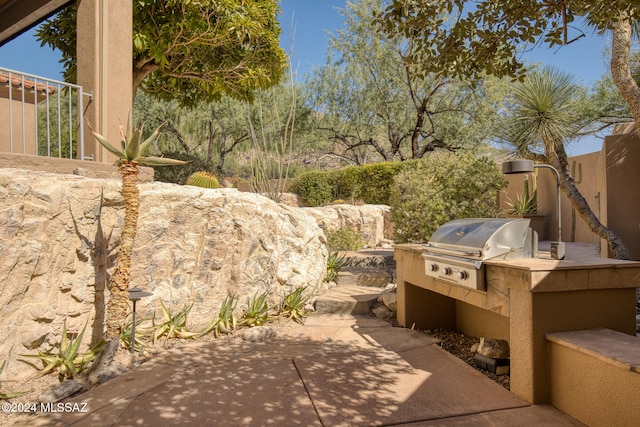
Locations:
{"points": [[203, 179], [133, 150]]}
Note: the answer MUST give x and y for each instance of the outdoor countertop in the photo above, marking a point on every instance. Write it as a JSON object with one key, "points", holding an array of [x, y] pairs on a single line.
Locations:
{"points": [[582, 269], [578, 256]]}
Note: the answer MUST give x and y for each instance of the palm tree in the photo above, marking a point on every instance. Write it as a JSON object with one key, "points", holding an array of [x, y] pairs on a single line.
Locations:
{"points": [[130, 158], [542, 120]]}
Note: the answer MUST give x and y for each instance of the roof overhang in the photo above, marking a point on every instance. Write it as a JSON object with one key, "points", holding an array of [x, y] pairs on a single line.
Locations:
{"points": [[17, 16]]}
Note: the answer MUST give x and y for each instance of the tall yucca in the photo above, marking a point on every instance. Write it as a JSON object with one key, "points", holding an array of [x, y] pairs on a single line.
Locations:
{"points": [[130, 158], [545, 109], [542, 120]]}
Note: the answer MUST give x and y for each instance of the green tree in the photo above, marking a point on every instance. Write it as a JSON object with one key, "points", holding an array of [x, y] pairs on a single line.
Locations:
{"points": [[374, 98], [600, 107], [191, 51], [469, 40], [542, 118], [216, 136], [213, 129]]}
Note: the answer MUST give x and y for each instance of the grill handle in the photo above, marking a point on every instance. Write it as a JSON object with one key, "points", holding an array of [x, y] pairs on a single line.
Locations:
{"points": [[454, 252]]}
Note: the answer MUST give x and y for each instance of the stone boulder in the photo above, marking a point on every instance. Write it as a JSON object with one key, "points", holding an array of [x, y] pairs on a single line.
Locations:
{"points": [[373, 222], [493, 348], [59, 236]]}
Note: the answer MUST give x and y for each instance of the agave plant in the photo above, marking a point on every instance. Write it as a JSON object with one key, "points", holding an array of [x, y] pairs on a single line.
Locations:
{"points": [[67, 360], [142, 337], [225, 322], [174, 326], [335, 262], [293, 305], [131, 156], [6, 395], [257, 313]]}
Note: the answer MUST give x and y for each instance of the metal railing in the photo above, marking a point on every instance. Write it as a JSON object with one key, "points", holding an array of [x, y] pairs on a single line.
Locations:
{"points": [[44, 117]]}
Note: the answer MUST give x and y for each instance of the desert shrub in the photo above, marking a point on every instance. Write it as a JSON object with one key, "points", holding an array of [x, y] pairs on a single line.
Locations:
{"points": [[344, 239], [316, 188], [442, 187], [347, 180], [369, 183], [375, 181]]}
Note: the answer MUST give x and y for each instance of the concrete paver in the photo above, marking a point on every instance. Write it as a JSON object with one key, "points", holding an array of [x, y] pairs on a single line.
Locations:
{"points": [[336, 370]]}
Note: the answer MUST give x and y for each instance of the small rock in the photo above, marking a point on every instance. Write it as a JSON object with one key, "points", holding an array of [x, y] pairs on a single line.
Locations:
{"points": [[474, 348], [81, 171], [259, 334], [390, 299], [493, 348], [110, 373], [59, 392], [382, 312]]}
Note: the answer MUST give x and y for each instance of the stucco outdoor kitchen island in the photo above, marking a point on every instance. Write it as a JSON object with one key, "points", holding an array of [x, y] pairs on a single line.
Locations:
{"points": [[524, 300]]}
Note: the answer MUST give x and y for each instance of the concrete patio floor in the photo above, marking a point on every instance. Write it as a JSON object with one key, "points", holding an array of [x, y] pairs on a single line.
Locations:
{"points": [[335, 370]]}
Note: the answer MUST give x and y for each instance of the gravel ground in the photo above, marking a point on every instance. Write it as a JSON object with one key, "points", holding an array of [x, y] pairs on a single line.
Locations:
{"points": [[460, 345]]}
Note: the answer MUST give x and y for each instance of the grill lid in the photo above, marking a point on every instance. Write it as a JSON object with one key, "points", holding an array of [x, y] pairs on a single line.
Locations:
{"points": [[481, 238]]}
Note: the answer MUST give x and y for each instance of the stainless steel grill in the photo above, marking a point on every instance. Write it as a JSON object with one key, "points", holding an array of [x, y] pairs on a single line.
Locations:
{"points": [[457, 250]]}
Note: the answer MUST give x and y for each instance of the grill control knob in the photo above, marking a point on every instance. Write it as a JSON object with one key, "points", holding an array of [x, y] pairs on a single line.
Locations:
{"points": [[447, 271], [433, 267], [461, 275]]}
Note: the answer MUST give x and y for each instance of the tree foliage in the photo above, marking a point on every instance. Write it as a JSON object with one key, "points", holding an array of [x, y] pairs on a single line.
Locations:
{"points": [[468, 40], [206, 134], [216, 136], [191, 51], [377, 105]]}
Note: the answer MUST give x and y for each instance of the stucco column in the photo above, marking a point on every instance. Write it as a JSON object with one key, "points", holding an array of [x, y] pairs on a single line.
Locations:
{"points": [[522, 335], [105, 64]]}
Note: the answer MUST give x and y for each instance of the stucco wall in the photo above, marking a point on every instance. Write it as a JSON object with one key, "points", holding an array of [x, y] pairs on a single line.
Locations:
{"points": [[588, 173], [622, 191], [592, 389], [14, 120], [68, 166]]}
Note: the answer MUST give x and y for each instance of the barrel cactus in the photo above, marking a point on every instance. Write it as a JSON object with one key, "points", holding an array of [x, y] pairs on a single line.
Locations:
{"points": [[203, 179]]}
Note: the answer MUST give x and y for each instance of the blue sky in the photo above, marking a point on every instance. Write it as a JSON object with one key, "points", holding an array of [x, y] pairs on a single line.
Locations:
{"points": [[310, 20]]}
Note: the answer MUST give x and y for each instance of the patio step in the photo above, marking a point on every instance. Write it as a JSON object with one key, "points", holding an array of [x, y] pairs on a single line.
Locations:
{"points": [[347, 299], [372, 277], [381, 258]]}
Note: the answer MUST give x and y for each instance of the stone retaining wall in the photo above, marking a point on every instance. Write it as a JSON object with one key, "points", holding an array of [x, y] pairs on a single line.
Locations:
{"points": [[58, 242]]}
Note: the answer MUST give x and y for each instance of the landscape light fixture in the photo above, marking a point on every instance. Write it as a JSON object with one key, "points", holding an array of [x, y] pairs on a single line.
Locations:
{"points": [[135, 295], [527, 166]]}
